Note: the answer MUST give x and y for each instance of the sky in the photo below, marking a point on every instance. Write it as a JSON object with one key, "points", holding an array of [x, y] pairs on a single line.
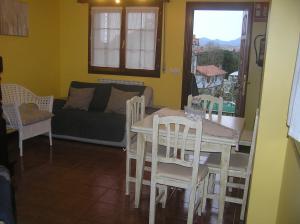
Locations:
{"points": [[223, 25]]}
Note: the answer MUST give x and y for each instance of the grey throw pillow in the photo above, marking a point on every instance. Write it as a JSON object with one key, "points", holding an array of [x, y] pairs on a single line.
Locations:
{"points": [[79, 98], [117, 101]]}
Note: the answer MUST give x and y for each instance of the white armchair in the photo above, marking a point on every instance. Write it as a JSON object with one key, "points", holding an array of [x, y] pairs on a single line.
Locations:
{"points": [[39, 120]]}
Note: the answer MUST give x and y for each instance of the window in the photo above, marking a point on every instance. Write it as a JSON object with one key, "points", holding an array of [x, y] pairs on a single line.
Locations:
{"points": [[125, 40], [105, 37]]}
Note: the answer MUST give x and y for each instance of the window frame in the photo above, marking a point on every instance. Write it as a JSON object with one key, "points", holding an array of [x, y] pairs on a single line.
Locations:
{"points": [[122, 70]]}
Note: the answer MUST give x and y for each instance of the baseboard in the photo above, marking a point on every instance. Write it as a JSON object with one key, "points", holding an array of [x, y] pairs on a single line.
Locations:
{"points": [[120, 144]]}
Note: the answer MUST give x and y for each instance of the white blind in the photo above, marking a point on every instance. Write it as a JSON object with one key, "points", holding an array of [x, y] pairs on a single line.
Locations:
{"points": [[105, 36], [294, 108], [141, 33]]}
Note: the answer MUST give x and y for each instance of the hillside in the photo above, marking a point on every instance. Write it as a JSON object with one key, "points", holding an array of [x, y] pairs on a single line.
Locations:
{"points": [[222, 43]]}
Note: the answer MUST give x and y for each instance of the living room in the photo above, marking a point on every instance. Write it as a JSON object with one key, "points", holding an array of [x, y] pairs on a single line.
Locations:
{"points": [[56, 52]]}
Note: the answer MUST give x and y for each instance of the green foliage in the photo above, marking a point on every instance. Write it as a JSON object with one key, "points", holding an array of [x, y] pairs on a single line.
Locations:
{"points": [[228, 60], [211, 57]]}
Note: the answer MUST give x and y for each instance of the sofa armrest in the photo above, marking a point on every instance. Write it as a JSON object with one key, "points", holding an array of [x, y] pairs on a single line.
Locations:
{"points": [[148, 93], [58, 104]]}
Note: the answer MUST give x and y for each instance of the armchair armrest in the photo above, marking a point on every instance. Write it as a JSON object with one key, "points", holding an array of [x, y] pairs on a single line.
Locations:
{"points": [[45, 103]]}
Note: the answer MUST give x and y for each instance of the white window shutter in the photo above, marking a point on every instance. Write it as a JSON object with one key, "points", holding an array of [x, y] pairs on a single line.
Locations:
{"points": [[141, 33], [294, 107], [105, 36]]}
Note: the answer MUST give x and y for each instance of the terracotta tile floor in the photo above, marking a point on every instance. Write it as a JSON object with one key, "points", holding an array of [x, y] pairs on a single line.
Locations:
{"points": [[82, 183]]}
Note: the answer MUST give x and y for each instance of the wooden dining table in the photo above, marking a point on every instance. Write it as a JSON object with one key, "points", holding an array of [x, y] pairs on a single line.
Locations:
{"points": [[219, 134]]}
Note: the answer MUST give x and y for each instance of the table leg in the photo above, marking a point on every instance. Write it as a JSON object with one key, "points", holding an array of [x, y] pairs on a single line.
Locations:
{"points": [[223, 180], [140, 160]]}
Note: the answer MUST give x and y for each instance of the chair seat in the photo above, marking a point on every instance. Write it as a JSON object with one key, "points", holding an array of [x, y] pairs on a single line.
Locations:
{"points": [[31, 114], [178, 172], [238, 161]]}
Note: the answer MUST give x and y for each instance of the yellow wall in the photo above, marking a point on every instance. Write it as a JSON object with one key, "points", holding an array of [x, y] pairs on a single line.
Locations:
{"points": [[74, 51], [274, 194], [33, 61], [167, 88], [288, 210], [56, 51]]}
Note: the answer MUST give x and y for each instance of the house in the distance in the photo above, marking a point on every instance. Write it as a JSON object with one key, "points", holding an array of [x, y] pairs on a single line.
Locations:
{"points": [[209, 76]]}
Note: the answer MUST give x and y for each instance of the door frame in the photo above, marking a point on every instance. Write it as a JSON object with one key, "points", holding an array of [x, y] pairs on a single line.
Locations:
{"points": [[189, 23]]}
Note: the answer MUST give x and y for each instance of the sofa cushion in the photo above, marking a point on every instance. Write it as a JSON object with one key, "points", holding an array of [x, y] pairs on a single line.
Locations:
{"points": [[101, 94], [103, 91], [117, 101], [129, 88], [79, 98], [89, 124], [101, 97], [31, 114]]}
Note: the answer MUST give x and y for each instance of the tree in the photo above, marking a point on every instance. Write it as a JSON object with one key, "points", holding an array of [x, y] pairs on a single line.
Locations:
{"points": [[230, 61]]}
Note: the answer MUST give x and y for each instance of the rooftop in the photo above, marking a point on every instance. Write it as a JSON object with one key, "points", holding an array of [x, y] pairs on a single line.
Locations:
{"points": [[210, 70]]}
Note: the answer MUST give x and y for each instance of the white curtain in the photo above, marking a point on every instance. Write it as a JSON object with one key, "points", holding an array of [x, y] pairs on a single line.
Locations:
{"points": [[105, 34], [141, 33], [294, 108]]}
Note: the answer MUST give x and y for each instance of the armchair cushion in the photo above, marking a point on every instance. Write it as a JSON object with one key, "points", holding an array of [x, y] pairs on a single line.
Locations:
{"points": [[30, 114]]}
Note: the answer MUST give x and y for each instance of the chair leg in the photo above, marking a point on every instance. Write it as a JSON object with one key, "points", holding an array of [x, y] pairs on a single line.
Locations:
{"points": [[245, 195], [230, 180], [211, 183], [205, 189], [163, 189], [191, 206], [199, 195], [50, 138], [152, 202], [21, 147], [128, 169]]}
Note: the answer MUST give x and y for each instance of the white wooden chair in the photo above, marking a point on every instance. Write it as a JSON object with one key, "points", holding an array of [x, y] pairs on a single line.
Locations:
{"points": [[173, 169], [207, 102], [135, 111], [240, 166], [13, 96]]}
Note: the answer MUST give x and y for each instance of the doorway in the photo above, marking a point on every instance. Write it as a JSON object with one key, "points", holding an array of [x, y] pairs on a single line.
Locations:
{"points": [[216, 53]]}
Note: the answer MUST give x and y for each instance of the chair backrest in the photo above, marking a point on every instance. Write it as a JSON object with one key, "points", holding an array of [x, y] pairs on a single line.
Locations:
{"points": [[207, 102], [135, 111], [253, 144], [16, 94], [179, 135]]}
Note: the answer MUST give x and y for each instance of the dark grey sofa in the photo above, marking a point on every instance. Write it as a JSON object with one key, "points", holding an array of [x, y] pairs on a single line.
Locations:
{"points": [[94, 125]]}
